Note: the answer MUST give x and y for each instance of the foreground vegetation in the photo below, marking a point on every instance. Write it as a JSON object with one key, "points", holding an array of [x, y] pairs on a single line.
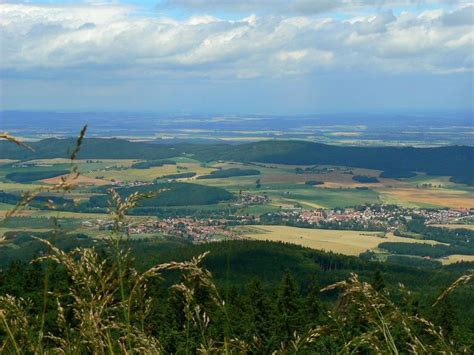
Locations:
{"points": [[264, 297]]}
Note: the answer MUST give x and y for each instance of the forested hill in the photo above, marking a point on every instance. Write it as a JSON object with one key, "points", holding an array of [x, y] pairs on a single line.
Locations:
{"points": [[92, 148], [452, 160]]}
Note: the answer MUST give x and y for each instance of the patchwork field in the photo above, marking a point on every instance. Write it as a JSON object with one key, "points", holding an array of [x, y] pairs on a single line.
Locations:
{"points": [[434, 197], [338, 241], [150, 174], [281, 183], [80, 180]]}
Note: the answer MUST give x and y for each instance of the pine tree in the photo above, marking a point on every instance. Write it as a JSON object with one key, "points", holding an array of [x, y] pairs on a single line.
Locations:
{"points": [[259, 314], [314, 307], [445, 316], [289, 306], [378, 282]]}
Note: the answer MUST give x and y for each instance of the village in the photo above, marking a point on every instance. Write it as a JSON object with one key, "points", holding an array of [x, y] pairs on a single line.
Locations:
{"points": [[382, 218], [193, 229], [378, 217]]}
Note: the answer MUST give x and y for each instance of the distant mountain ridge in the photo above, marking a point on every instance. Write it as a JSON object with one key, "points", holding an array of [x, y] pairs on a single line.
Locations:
{"points": [[449, 160]]}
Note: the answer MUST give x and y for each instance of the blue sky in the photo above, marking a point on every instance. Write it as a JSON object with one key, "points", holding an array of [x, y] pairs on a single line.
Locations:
{"points": [[225, 56]]}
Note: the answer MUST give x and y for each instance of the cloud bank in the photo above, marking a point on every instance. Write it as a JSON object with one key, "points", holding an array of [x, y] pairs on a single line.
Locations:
{"points": [[281, 56], [113, 39]]}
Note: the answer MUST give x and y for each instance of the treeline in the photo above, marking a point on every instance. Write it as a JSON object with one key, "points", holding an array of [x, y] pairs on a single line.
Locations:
{"points": [[152, 164], [41, 202], [31, 175], [365, 179], [454, 241], [451, 161], [413, 261], [22, 246], [455, 237], [226, 173], [178, 176], [170, 194], [314, 182], [426, 250]]}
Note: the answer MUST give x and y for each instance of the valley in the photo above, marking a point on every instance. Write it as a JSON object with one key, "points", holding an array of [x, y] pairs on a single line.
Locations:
{"points": [[204, 196]]}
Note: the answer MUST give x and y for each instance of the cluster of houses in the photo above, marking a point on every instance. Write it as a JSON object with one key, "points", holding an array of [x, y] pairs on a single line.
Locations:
{"points": [[133, 183], [246, 199], [368, 217], [445, 216], [196, 229], [387, 217], [376, 217], [184, 227]]}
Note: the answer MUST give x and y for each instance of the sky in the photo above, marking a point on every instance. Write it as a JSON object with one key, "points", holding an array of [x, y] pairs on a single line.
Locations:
{"points": [[285, 57]]}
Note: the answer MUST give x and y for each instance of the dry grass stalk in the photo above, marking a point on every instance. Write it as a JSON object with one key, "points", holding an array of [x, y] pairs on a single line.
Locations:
{"points": [[66, 183], [458, 283], [383, 316], [4, 135]]}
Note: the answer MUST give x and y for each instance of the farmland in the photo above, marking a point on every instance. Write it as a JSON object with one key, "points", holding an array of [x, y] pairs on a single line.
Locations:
{"points": [[429, 197], [283, 184], [129, 174], [452, 259], [338, 241], [201, 186]]}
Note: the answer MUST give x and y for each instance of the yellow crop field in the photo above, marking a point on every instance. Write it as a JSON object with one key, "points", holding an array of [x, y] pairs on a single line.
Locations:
{"points": [[150, 173], [435, 197], [80, 180], [451, 259], [340, 241], [7, 161], [16, 186], [133, 174]]}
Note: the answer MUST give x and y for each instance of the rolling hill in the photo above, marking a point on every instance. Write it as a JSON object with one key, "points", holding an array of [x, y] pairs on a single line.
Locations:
{"points": [[449, 161]]}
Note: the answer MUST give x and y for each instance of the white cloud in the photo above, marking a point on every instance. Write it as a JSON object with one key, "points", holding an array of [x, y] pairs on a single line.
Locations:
{"points": [[460, 17], [299, 6], [114, 41]]}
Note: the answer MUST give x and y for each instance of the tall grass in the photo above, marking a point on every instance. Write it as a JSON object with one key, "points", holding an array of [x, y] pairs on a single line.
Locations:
{"points": [[106, 307]]}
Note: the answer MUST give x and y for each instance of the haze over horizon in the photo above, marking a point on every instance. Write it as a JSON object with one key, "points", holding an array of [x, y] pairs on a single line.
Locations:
{"points": [[271, 57]]}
